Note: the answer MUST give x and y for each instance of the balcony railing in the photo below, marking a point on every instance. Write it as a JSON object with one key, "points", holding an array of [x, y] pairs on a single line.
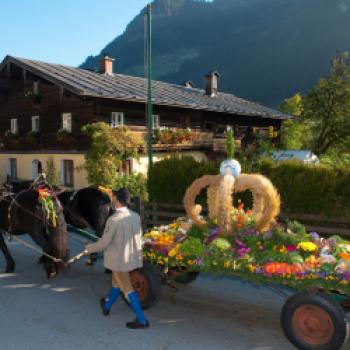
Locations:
{"points": [[197, 139]]}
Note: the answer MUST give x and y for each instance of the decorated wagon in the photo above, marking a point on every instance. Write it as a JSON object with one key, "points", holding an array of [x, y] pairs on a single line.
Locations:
{"points": [[312, 271]]}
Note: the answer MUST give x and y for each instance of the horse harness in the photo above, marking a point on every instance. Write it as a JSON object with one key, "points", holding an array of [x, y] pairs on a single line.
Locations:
{"points": [[21, 241]]}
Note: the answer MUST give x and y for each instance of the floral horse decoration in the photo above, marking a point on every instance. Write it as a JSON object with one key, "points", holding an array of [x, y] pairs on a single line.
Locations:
{"points": [[48, 202]]}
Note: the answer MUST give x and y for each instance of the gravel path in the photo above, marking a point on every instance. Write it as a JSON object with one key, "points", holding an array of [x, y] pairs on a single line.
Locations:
{"points": [[209, 314]]}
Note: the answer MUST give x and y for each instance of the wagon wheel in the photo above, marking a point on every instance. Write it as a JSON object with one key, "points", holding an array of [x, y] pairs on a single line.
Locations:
{"points": [[146, 282], [183, 276], [314, 322]]}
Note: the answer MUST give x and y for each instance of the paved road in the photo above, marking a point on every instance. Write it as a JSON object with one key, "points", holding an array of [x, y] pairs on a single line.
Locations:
{"points": [[209, 314]]}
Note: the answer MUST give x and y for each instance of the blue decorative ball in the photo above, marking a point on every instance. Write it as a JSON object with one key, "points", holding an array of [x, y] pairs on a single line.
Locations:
{"points": [[230, 167]]}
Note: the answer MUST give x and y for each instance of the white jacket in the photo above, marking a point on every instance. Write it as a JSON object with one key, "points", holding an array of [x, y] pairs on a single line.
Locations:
{"points": [[121, 242]]}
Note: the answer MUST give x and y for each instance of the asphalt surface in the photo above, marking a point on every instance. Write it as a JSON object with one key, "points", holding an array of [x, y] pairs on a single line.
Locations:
{"points": [[36, 313]]}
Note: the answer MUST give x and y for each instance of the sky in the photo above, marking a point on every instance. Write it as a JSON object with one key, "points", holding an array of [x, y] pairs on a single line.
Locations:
{"points": [[62, 31]]}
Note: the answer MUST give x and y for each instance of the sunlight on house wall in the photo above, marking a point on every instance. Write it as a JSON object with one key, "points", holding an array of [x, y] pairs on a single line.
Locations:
{"points": [[25, 170], [141, 165], [25, 164]]}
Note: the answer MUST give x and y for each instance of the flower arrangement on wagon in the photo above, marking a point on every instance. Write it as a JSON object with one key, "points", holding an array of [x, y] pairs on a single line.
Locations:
{"points": [[249, 244]]}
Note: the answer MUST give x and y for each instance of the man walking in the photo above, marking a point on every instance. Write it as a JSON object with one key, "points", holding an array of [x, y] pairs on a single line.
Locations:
{"points": [[122, 246]]}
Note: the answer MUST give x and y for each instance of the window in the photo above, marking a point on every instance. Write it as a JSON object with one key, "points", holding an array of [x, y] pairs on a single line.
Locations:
{"points": [[14, 126], [67, 173], [35, 123], [12, 168], [37, 168], [67, 122], [156, 123], [117, 119]]}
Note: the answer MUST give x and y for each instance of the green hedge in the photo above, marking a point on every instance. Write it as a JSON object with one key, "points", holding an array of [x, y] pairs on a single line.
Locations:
{"points": [[168, 179], [311, 188], [303, 188]]}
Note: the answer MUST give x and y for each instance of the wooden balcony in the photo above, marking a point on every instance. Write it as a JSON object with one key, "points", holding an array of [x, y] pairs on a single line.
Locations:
{"points": [[200, 139]]}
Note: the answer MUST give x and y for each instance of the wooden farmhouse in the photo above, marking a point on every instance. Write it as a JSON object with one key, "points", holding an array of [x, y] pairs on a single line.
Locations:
{"points": [[43, 107]]}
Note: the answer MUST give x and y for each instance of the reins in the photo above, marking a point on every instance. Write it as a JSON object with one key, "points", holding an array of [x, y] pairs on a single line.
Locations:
{"points": [[13, 202], [30, 246]]}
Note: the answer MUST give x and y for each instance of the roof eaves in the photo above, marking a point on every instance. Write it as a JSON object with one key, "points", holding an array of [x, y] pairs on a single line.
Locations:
{"points": [[50, 78], [196, 107], [243, 107]]}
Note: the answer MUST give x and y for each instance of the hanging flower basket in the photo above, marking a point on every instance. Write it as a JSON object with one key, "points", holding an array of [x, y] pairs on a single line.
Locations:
{"points": [[64, 137]]}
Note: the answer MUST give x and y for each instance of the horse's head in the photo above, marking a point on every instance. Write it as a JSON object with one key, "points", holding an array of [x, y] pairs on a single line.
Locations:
{"points": [[101, 209], [55, 228], [65, 196], [39, 214], [94, 207], [87, 207], [70, 202], [58, 237]]}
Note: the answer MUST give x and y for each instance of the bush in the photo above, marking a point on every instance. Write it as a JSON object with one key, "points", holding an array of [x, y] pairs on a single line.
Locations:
{"points": [[168, 179], [108, 148], [136, 184], [303, 188], [310, 188], [52, 175]]}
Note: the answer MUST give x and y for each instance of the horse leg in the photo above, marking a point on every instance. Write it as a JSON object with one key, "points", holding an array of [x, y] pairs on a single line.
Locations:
{"points": [[39, 237], [10, 263]]}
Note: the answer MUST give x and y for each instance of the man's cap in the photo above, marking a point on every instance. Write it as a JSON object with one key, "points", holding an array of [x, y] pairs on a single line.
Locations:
{"points": [[122, 195]]}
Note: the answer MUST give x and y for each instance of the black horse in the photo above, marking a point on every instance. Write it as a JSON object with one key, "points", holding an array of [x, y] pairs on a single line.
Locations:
{"points": [[90, 208], [87, 208], [22, 214]]}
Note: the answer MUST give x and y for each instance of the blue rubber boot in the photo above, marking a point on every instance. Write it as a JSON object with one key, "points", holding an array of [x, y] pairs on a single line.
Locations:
{"points": [[107, 304], [141, 321]]}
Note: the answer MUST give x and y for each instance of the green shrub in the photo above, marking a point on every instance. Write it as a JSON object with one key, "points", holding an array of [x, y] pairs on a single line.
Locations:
{"points": [[310, 188], [108, 148], [136, 184], [303, 188], [168, 179], [52, 175]]}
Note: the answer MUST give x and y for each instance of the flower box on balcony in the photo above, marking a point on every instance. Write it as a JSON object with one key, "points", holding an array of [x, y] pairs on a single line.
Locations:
{"points": [[173, 136]]}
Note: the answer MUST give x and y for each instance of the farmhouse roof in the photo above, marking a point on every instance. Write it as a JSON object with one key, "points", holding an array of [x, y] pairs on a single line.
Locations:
{"points": [[129, 88]]}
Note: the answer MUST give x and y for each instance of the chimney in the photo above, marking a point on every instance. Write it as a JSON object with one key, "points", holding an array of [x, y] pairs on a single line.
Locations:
{"points": [[211, 84], [107, 65], [189, 84]]}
